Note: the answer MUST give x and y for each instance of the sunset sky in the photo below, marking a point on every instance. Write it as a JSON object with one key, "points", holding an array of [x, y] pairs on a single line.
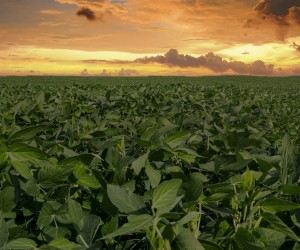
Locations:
{"points": [[142, 37]]}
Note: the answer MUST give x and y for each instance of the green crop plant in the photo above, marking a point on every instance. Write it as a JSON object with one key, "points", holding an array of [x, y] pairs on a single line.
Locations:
{"points": [[149, 163]]}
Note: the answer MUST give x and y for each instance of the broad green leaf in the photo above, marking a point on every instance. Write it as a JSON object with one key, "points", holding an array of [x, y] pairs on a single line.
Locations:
{"points": [[125, 201], [288, 162], [296, 246], [3, 232], [27, 133], [91, 224], [186, 154], [110, 226], [246, 241], [185, 240], [218, 197], [63, 244], [140, 163], [165, 195], [236, 166], [290, 189], [208, 245], [295, 217], [272, 239], [68, 152], [193, 187], [85, 179], [22, 168], [107, 206], [30, 187], [274, 205], [113, 157], [50, 176], [75, 213], [163, 130], [3, 154], [280, 226], [20, 243], [136, 223], [248, 181], [187, 218], [23, 152], [79, 160], [212, 206], [153, 175], [47, 214], [7, 202], [147, 135], [177, 139], [56, 232]]}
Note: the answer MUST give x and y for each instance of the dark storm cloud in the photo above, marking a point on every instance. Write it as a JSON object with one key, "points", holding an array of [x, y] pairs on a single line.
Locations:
{"points": [[283, 12], [210, 61], [86, 12]]}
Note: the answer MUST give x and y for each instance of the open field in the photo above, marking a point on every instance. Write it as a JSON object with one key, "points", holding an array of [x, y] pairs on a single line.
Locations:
{"points": [[150, 163]]}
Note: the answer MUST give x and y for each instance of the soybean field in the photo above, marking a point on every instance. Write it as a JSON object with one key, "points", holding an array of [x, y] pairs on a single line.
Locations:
{"points": [[157, 163]]}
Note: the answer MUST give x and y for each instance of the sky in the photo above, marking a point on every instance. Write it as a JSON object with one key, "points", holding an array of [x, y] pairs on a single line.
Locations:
{"points": [[142, 37]]}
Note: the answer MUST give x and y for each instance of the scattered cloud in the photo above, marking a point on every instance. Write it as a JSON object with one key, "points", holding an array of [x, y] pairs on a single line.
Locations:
{"points": [[84, 72], [128, 72], [86, 12], [51, 24], [34, 72], [123, 72], [105, 72], [211, 61], [51, 12], [296, 46]]}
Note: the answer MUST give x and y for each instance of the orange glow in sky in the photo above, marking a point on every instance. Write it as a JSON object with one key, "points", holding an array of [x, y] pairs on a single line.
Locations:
{"points": [[141, 37]]}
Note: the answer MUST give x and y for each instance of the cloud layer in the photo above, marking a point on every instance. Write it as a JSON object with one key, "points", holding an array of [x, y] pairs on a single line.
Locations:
{"points": [[210, 61]]}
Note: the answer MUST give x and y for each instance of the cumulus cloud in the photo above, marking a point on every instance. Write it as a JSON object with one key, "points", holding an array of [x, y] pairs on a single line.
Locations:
{"points": [[88, 13], [210, 61]]}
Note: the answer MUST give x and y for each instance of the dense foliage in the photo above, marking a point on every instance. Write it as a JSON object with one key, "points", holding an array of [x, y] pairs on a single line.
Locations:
{"points": [[149, 163]]}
